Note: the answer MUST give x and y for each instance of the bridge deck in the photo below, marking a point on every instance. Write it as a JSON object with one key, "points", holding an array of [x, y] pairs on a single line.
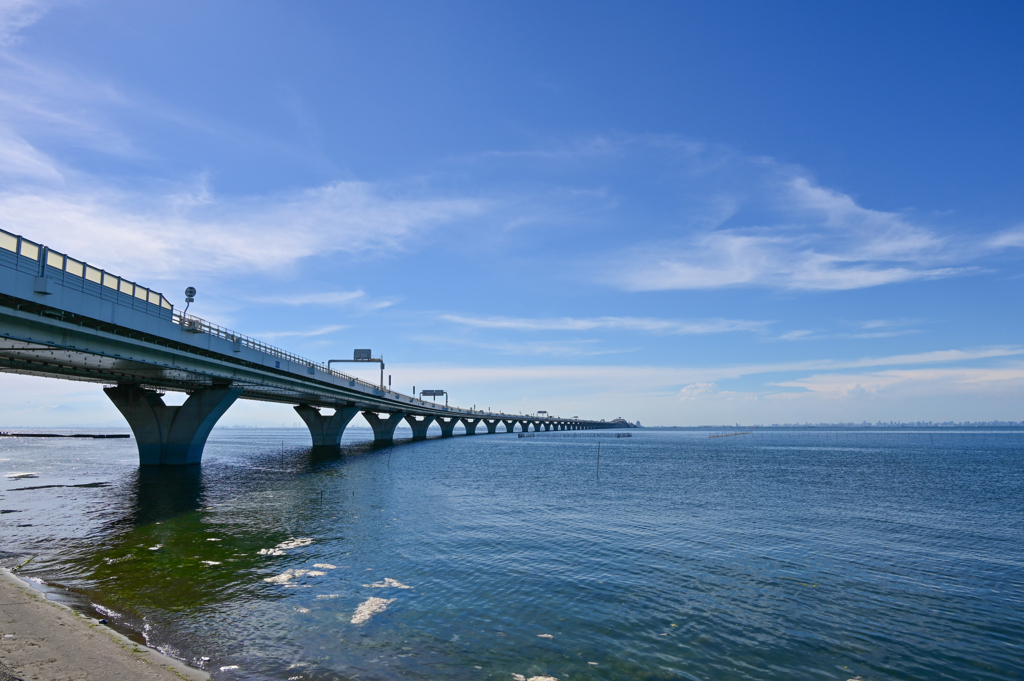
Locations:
{"points": [[63, 318]]}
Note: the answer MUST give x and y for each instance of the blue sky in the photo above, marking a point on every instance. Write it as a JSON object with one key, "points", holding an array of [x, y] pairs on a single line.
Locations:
{"points": [[678, 213]]}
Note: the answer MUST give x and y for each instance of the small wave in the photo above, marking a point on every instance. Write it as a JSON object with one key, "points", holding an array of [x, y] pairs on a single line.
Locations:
{"points": [[325, 566], [21, 476]]}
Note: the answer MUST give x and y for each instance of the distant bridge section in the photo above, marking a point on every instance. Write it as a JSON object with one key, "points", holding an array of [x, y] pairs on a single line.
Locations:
{"points": [[64, 318]]}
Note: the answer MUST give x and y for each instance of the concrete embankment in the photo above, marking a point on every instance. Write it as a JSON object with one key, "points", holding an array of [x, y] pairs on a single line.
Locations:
{"points": [[40, 639]]}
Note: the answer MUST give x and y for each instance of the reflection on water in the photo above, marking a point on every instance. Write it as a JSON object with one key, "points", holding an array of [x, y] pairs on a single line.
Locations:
{"points": [[162, 493], [788, 554]]}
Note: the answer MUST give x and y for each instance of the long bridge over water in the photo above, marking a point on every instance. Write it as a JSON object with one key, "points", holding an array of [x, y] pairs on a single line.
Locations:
{"points": [[64, 318]]}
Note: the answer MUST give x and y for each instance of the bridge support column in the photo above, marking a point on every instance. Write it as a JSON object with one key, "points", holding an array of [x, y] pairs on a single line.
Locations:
{"points": [[326, 431], [509, 426], [547, 427], [492, 425], [171, 435], [419, 426], [383, 429], [470, 425], [447, 427]]}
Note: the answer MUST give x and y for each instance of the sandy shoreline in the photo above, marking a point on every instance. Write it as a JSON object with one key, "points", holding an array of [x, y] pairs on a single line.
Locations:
{"points": [[40, 639]]}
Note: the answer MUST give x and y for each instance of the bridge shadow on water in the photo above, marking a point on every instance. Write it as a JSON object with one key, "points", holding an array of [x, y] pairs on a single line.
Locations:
{"points": [[161, 493]]}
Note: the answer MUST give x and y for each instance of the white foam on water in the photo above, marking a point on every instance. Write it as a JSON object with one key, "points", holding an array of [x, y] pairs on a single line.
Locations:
{"points": [[369, 608], [316, 573], [229, 666], [212, 539], [325, 566], [20, 476], [302, 610], [211, 562], [156, 548], [544, 636], [271, 552], [388, 582], [327, 595], [286, 576], [283, 547]]}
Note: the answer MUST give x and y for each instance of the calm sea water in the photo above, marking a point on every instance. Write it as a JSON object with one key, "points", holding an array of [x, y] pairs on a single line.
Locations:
{"points": [[776, 555]]}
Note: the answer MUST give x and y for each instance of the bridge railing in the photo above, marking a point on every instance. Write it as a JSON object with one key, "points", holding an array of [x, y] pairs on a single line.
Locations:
{"points": [[33, 258], [199, 325]]}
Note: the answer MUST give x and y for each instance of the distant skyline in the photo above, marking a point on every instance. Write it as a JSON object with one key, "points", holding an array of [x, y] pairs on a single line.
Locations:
{"points": [[682, 214]]}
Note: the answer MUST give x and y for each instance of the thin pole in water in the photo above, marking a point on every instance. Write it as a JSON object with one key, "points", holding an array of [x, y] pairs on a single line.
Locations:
{"points": [[598, 460]]}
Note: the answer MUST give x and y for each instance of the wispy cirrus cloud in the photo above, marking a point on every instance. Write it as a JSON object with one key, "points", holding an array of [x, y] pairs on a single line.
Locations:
{"points": [[160, 237], [310, 333], [649, 324], [16, 15], [805, 238], [325, 298], [963, 379], [581, 347]]}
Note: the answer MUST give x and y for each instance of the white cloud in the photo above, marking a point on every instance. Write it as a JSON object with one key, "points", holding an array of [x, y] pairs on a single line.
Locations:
{"points": [[694, 389], [136, 235], [330, 298], [16, 15], [777, 228], [1011, 238], [911, 381], [321, 331], [669, 326], [20, 159]]}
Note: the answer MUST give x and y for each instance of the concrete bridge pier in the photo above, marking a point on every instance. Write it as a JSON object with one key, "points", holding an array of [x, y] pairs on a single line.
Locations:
{"points": [[171, 435], [419, 426], [470, 425], [447, 425], [509, 425], [492, 425], [326, 431], [383, 429]]}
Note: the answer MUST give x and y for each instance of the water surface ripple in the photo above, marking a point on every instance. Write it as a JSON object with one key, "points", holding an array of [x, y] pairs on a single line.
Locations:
{"points": [[782, 554]]}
